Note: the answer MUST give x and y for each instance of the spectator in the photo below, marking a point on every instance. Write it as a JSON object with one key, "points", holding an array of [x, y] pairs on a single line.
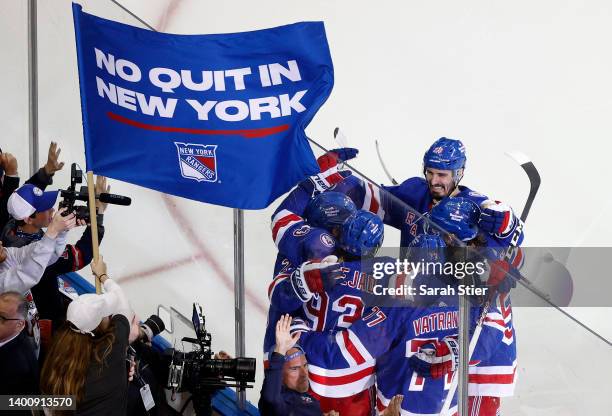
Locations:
{"points": [[22, 267], [10, 177], [285, 386], [88, 355], [33, 210], [17, 352]]}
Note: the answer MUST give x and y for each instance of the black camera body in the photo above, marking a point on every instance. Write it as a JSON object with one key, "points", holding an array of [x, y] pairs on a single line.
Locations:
{"points": [[71, 195], [200, 374]]}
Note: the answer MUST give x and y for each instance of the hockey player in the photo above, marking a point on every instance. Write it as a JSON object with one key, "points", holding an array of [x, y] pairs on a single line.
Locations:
{"points": [[443, 168], [493, 365], [494, 360], [309, 291], [366, 345], [315, 237], [319, 199]]}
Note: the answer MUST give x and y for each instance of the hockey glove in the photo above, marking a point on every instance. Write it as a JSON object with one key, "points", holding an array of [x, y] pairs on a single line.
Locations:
{"points": [[315, 277], [436, 359], [299, 325], [496, 218], [328, 163], [502, 276]]}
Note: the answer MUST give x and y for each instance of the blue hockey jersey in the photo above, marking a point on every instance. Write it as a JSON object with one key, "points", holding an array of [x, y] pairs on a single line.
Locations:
{"points": [[379, 345], [337, 308], [413, 192]]}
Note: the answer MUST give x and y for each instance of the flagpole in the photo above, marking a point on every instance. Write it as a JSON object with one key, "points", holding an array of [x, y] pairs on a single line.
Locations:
{"points": [[239, 315], [33, 85], [93, 221]]}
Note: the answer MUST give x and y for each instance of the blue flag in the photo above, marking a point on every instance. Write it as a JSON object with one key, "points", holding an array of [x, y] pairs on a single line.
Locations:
{"points": [[215, 118]]}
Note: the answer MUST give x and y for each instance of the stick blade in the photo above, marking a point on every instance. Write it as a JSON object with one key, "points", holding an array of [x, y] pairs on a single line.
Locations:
{"points": [[519, 157], [533, 175], [340, 138]]}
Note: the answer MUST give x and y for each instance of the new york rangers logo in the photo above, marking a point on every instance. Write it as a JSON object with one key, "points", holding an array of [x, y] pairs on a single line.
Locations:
{"points": [[197, 161]]}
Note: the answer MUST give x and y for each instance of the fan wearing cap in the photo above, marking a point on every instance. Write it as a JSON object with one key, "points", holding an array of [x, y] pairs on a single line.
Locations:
{"points": [[88, 354], [10, 177], [32, 207], [22, 267], [32, 210]]}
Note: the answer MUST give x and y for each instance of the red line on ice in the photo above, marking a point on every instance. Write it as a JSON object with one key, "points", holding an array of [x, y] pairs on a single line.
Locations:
{"points": [[228, 281], [167, 15]]}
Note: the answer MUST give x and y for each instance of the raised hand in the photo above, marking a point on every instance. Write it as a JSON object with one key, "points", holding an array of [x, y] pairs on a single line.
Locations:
{"points": [[53, 164], [9, 164], [284, 340]]}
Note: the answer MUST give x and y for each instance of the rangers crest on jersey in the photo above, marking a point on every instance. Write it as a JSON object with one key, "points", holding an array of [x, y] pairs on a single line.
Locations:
{"points": [[302, 231], [197, 161], [327, 240]]}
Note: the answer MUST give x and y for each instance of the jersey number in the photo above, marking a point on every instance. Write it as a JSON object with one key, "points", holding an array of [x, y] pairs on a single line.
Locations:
{"points": [[350, 308]]}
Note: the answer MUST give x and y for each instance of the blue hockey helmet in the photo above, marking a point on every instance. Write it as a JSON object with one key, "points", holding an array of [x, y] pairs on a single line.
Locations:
{"points": [[362, 234], [458, 216], [446, 154], [329, 210], [426, 247]]}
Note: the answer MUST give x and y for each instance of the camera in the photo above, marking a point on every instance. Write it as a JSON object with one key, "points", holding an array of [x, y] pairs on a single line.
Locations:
{"points": [[71, 195], [200, 374]]}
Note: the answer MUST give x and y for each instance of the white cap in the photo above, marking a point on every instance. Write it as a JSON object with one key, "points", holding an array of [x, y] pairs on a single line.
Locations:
{"points": [[87, 311]]}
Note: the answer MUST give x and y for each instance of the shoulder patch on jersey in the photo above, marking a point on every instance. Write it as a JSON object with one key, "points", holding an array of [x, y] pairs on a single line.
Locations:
{"points": [[327, 240], [476, 194], [302, 231]]}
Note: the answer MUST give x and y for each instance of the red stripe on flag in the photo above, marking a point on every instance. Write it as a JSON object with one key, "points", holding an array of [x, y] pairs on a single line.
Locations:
{"points": [[350, 347], [247, 133], [340, 380], [283, 222]]}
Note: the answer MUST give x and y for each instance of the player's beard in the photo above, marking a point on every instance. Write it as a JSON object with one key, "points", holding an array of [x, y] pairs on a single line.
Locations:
{"points": [[302, 385], [438, 192]]}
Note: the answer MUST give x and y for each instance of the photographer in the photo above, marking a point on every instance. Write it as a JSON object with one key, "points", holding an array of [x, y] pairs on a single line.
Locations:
{"points": [[10, 177], [285, 386], [151, 368], [88, 355], [32, 210]]}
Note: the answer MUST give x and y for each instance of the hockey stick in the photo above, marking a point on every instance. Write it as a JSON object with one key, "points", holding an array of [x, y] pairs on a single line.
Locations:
{"points": [[382, 163], [340, 137], [532, 174], [534, 185]]}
